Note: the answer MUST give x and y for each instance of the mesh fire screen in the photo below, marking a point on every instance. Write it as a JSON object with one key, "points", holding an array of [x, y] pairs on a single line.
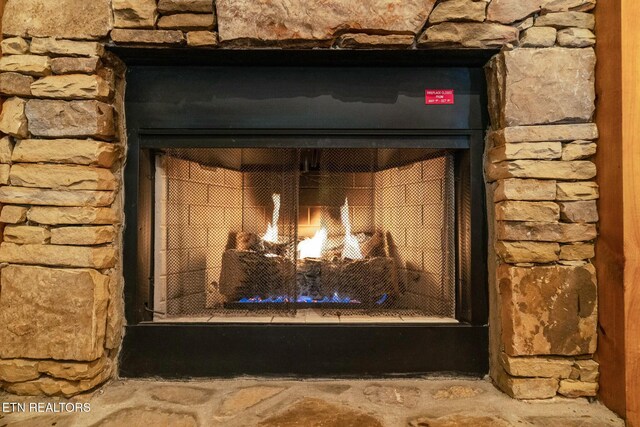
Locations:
{"points": [[342, 231]]}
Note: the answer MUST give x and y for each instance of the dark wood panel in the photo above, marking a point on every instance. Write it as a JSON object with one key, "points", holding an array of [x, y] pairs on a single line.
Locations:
{"points": [[609, 259]]}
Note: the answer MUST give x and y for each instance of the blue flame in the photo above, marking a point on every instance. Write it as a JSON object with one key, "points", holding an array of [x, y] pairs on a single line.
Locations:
{"points": [[335, 298], [382, 299]]}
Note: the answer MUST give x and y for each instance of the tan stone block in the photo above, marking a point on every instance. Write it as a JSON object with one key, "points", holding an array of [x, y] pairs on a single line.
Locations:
{"points": [[568, 5], [18, 370], [525, 24], [567, 20], [573, 388], [524, 189], [13, 214], [530, 97], [240, 20], [576, 252], [538, 37], [458, 10], [15, 84], [581, 211], [71, 86], [567, 191], [40, 196], [564, 133], [54, 46], [468, 35], [32, 65], [26, 234], [74, 151], [526, 150], [545, 231], [581, 263], [6, 149], [527, 211], [72, 215], [115, 313], [74, 371], [70, 331], [576, 37], [202, 38], [155, 37], [509, 11], [82, 235], [588, 370], [575, 374], [544, 367], [135, 13], [69, 177], [14, 46], [548, 310], [13, 120], [58, 255], [70, 119], [527, 388], [371, 41], [541, 169], [174, 6], [58, 387], [517, 252], [65, 65], [4, 174], [578, 150], [73, 19], [187, 22]]}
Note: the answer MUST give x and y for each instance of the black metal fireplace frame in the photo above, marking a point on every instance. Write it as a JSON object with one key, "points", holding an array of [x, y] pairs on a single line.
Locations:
{"points": [[179, 350]]}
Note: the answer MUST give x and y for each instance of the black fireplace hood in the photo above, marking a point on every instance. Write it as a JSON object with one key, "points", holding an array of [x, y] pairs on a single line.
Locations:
{"points": [[300, 100]]}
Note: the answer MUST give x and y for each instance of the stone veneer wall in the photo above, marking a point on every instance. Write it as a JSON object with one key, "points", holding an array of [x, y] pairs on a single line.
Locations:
{"points": [[61, 157]]}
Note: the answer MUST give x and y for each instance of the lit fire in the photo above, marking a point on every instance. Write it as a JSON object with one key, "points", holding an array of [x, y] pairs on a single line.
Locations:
{"points": [[312, 248], [272, 229], [351, 247]]}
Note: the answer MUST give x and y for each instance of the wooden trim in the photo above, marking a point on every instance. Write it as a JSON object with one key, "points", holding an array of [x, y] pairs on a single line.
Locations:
{"points": [[609, 258], [631, 202], [618, 247]]}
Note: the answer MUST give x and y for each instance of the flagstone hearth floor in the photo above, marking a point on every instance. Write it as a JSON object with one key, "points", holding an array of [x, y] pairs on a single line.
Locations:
{"points": [[271, 403]]}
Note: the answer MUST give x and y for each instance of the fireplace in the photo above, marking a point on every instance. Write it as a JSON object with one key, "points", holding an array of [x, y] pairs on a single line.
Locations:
{"points": [[342, 231], [94, 112], [288, 204]]}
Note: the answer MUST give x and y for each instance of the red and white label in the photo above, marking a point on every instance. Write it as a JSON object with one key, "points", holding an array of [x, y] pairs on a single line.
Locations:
{"points": [[439, 97]]}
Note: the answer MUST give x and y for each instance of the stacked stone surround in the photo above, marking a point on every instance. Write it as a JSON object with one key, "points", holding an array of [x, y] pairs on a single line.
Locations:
{"points": [[63, 145]]}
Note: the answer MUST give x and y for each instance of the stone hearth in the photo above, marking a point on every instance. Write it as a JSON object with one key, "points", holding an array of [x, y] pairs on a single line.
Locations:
{"points": [[64, 142], [243, 402]]}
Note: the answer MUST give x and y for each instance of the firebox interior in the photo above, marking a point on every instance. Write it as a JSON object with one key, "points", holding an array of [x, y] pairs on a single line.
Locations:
{"points": [[342, 231]]}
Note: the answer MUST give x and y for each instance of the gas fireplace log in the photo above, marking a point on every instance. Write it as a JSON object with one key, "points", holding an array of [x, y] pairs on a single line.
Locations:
{"points": [[365, 280], [252, 242], [308, 278], [374, 246], [246, 274], [248, 242]]}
